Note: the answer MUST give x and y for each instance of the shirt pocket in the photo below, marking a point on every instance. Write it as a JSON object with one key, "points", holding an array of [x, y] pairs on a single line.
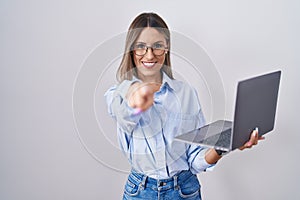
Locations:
{"points": [[182, 123]]}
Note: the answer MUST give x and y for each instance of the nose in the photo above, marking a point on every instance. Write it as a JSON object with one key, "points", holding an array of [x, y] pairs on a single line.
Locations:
{"points": [[149, 53]]}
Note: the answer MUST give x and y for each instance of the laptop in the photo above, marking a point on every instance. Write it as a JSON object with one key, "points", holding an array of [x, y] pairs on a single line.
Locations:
{"points": [[255, 107]]}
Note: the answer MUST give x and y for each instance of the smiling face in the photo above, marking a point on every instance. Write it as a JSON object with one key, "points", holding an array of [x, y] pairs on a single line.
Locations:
{"points": [[150, 64]]}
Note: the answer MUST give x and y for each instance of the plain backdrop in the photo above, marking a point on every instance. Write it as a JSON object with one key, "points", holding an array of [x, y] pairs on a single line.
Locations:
{"points": [[46, 44]]}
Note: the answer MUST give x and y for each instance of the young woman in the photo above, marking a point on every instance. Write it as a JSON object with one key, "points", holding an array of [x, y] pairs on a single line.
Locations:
{"points": [[151, 108]]}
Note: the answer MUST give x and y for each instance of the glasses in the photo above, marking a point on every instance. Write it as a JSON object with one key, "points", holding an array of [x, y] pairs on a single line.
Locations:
{"points": [[140, 49]]}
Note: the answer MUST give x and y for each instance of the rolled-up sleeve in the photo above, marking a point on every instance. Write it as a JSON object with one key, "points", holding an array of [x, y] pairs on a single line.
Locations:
{"points": [[196, 159], [118, 106]]}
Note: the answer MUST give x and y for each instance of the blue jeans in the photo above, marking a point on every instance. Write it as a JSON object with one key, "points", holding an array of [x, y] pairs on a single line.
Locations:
{"points": [[184, 185]]}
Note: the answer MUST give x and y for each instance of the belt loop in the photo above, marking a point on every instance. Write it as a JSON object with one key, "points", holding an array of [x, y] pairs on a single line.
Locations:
{"points": [[175, 182], [143, 183]]}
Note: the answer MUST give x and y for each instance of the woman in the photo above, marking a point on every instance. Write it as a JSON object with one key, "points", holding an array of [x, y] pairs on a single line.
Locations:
{"points": [[151, 108]]}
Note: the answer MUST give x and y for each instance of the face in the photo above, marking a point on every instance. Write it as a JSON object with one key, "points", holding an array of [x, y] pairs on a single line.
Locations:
{"points": [[149, 64]]}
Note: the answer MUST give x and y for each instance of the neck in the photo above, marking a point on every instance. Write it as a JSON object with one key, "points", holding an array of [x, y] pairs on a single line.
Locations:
{"points": [[151, 79], [154, 82]]}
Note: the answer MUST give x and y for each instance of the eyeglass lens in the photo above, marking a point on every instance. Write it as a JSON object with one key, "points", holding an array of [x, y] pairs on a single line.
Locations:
{"points": [[141, 49]]}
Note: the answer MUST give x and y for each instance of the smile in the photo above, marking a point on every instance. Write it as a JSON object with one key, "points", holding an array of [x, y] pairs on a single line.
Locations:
{"points": [[149, 64]]}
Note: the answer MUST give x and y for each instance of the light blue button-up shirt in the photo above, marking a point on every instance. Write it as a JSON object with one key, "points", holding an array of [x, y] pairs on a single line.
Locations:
{"points": [[147, 138]]}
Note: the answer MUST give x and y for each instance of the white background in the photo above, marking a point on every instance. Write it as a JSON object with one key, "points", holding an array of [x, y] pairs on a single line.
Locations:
{"points": [[43, 47]]}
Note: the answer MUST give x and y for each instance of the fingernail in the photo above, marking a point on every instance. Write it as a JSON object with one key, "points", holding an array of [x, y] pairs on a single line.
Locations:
{"points": [[137, 111], [249, 144]]}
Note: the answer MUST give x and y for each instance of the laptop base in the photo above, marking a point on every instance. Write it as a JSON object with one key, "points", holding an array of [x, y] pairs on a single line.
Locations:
{"points": [[216, 135]]}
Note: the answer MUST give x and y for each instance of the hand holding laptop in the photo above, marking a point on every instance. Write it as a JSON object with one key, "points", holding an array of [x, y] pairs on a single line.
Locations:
{"points": [[254, 138]]}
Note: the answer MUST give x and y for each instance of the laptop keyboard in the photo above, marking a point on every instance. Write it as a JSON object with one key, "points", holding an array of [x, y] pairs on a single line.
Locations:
{"points": [[220, 139]]}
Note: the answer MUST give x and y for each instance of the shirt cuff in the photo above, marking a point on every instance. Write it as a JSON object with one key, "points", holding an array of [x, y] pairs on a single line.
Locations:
{"points": [[200, 164]]}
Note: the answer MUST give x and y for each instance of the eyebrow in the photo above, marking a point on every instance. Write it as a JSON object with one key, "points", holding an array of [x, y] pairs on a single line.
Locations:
{"points": [[153, 43]]}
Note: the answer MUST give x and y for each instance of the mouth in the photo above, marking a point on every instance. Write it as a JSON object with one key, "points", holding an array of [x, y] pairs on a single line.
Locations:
{"points": [[149, 64]]}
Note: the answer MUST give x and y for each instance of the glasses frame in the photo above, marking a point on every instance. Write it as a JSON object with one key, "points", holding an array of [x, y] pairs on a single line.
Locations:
{"points": [[152, 49]]}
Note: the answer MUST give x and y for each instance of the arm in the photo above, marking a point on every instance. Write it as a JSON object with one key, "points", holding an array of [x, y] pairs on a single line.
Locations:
{"points": [[119, 108]]}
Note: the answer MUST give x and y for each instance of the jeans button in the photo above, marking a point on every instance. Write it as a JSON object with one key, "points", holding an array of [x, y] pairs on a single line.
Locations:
{"points": [[162, 184]]}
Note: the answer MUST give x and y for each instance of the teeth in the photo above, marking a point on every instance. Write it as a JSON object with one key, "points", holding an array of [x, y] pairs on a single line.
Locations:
{"points": [[149, 64]]}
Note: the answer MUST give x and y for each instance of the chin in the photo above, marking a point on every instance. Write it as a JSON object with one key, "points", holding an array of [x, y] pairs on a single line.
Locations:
{"points": [[149, 74]]}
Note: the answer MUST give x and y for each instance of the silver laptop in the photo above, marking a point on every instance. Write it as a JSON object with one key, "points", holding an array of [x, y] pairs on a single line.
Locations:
{"points": [[255, 107]]}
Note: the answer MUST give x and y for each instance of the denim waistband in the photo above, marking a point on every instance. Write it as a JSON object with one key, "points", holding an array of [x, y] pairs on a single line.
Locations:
{"points": [[146, 181]]}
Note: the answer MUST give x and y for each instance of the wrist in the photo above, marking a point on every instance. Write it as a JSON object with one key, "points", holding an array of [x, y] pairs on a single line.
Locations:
{"points": [[211, 156], [221, 152]]}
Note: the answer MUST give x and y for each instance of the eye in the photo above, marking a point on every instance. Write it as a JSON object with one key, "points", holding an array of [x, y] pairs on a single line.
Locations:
{"points": [[140, 46], [158, 46]]}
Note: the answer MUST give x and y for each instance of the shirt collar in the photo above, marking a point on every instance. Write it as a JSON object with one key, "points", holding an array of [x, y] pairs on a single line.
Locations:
{"points": [[166, 81]]}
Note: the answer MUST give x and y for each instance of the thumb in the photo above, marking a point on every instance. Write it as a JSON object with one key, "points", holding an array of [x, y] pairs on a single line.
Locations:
{"points": [[253, 138]]}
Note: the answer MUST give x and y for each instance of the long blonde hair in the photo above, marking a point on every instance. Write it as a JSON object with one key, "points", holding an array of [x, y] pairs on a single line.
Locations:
{"points": [[127, 68]]}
